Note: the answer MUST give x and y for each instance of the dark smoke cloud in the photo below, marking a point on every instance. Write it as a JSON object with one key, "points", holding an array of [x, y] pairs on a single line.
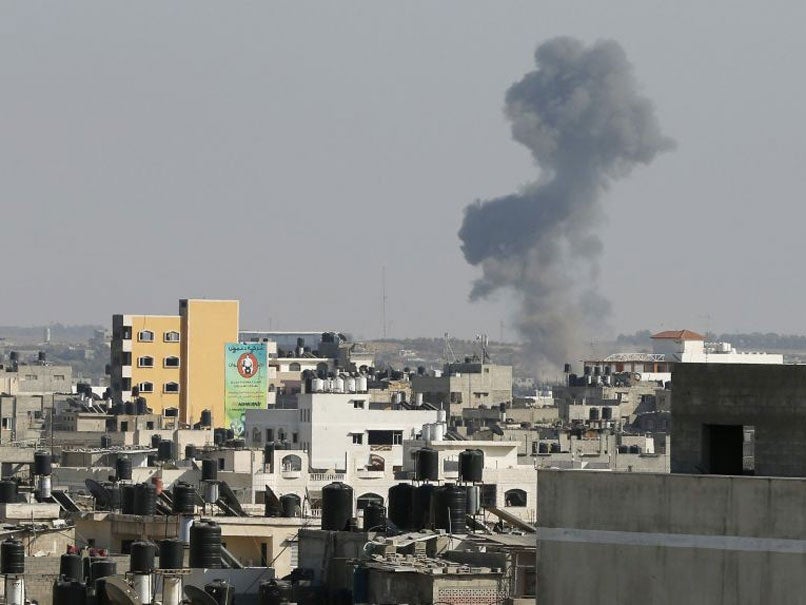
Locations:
{"points": [[580, 115]]}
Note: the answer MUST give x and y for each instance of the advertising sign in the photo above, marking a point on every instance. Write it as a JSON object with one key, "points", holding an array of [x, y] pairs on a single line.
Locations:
{"points": [[245, 382]]}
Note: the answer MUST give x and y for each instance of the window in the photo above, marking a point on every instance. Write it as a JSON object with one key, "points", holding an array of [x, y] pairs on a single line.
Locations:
{"points": [[126, 333], [269, 435], [145, 362], [294, 367], [150, 426], [515, 497], [358, 404], [146, 387], [221, 464], [145, 336], [58, 377], [126, 358], [294, 437], [358, 438], [124, 426], [171, 387], [172, 336], [171, 362]]}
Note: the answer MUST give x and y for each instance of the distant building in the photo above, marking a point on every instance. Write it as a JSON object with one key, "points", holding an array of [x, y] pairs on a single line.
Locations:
{"points": [[175, 361], [465, 385]]}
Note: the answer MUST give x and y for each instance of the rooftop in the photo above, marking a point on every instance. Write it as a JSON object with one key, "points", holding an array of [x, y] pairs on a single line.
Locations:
{"points": [[678, 335]]}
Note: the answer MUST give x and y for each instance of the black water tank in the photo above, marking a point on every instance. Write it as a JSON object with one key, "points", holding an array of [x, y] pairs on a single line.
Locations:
{"points": [[624, 449], [12, 557], [554, 448], [141, 557], [268, 453], [155, 441], [190, 451], [8, 491], [290, 504], [127, 499], [337, 506], [543, 448], [172, 553], [106, 441], [426, 464], [42, 465], [219, 436], [206, 418], [113, 489], [101, 568], [449, 507], [374, 517], [400, 502], [471, 466], [151, 461], [71, 567], [140, 406], [165, 450], [587, 370], [209, 470], [421, 507], [239, 444], [205, 545], [567, 368], [269, 593], [123, 469], [221, 591], [184, 501], [145, 499], [593, 414], [130, 408], [69, 592], [634, 449]]}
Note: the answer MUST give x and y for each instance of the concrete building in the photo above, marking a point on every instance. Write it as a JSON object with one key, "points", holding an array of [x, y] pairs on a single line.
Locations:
{"points": [[709, 532], [175, 361], [466, 385]]}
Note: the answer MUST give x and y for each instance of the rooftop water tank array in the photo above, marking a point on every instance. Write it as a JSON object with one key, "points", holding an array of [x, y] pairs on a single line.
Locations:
{"points": [[400, 505], [205, 545], [337, 506], [426, 464]]}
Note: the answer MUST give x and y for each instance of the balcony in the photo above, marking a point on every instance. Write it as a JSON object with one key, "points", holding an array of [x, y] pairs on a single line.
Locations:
{"points": [[366, 473], [326, 477]]}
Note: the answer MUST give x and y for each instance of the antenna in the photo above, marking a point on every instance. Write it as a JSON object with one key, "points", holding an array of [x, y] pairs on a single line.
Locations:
{"points": [[483, 341], [383, 300], [447, 350]]}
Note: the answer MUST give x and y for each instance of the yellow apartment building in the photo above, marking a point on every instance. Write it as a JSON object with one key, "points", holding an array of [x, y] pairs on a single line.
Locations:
{"points": [[175, 361]]}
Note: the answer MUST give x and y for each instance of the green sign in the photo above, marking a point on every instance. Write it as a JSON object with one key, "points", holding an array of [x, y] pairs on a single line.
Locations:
{"points": [[245, 382]]}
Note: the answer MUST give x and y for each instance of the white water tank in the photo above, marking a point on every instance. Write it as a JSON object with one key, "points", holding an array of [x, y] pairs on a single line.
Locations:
{"points": [[361, 384], [419, 399], [318, 385], [349, 384], [338, 384], [442, 416], [437, 431], [426, 435]]}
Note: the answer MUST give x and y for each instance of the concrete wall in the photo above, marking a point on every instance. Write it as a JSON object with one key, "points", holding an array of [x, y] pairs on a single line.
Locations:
{"points": [[771, 398], [632, 538]]}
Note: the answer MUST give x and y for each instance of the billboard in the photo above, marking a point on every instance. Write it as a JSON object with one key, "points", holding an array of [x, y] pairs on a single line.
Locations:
{"points": [[245, 382]]}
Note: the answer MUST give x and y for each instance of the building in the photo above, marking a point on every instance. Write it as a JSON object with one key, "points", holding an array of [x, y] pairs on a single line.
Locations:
{"points": [[175, 361], [726, 526], [465, 385]]}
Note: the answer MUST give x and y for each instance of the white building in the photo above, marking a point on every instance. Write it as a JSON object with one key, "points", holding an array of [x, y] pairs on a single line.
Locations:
{"points": [[327, 425]]}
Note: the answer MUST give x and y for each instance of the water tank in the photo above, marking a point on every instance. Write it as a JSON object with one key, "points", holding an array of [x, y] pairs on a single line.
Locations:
{"points": [[101, 568], [145, 499], [567, 368], [123, 469], [165, 450], [140, 406], [421, 507], [337, 506], [471, 466], [71, 567], [426, 434], [597, 370], [155, 441], [291, 505], [361, 384], [607, 413], [190, 451], [269, 593], [221, 591], [349, 384], [209, 470], [127, 499], [239, 444], [184, 501], [634, 449], [400, 501], [172, 553], [593, 414], [268, 453], [542, 448], [554, 448], [426, 464], [106, 441], [205, 545], [374, 517], [141, 556], [449, 507], [129, 408], [317, 385], [12, 557], [338, 384], [69, 592], [42, 465], [206, 418], [624, 449], [8, 491], [437, 431], [113, 489], [473, 501]]}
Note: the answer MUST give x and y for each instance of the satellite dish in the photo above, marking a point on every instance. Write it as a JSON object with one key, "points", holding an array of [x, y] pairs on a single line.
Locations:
{"points": [[118, 592], [197, 596], [273, 503], [230, 499], [102, 497]]}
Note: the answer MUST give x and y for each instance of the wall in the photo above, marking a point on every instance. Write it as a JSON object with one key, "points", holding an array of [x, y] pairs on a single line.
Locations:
{"points": [[159, 349], [632, 538], [207, 325]]}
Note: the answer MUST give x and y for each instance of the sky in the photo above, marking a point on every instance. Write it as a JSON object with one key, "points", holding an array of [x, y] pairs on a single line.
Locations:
{"points": [[288, 154]]}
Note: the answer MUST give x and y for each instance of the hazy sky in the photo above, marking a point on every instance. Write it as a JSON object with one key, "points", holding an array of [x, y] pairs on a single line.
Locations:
{"points": [[283, 153]]}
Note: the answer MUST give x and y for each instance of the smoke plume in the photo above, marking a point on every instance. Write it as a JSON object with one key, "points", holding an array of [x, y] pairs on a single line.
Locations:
{"points": [[581, 116]]}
